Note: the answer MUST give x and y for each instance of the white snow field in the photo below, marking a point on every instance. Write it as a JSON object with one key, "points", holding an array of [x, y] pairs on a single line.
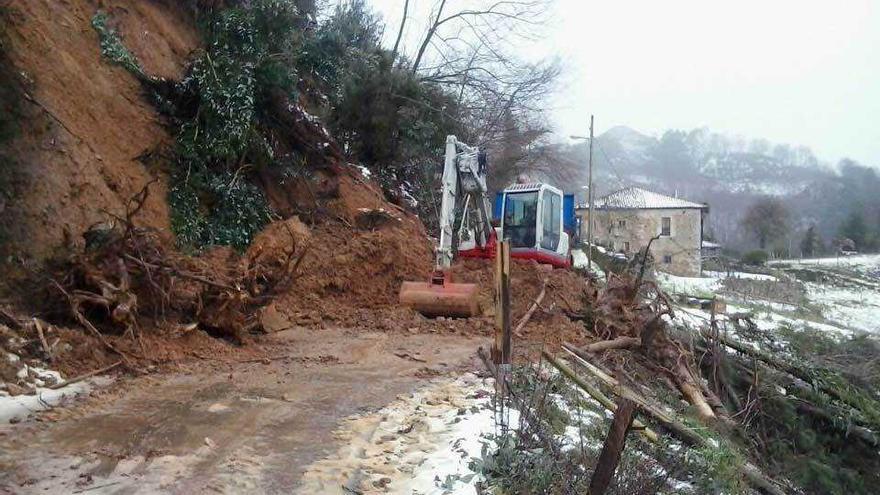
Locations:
{"points": [[841, 295]]}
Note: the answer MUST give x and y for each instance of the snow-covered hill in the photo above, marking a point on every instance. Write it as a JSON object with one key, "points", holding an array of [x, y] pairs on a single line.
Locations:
{"points": [[701, 160]]}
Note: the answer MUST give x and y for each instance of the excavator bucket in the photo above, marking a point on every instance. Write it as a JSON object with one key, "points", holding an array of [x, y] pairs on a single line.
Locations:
{"points": [[441, 297]]}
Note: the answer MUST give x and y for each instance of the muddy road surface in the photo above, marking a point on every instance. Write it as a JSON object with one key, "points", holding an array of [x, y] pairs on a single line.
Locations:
{"points": [[221, 427]]}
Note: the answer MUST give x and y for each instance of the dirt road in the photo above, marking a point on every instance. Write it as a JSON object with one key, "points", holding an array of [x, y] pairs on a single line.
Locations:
{"points": [[225, 427]]}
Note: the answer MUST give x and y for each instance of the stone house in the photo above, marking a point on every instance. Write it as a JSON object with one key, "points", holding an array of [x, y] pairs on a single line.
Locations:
{"points": [[627, 219]]}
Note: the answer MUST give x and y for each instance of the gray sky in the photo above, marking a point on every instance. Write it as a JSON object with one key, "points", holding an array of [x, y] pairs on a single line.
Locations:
{"points": [[798, 72]]}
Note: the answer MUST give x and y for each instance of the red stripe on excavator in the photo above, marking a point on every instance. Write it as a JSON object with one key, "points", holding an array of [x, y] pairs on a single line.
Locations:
{"points": [[488, 252], [556, 260]]}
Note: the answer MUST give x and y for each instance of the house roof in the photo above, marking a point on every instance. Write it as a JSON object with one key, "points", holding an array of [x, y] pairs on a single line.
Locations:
{"points": [[637, 198]]}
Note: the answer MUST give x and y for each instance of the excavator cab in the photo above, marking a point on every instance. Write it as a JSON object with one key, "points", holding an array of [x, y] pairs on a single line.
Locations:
{"points": [[539, 222]]}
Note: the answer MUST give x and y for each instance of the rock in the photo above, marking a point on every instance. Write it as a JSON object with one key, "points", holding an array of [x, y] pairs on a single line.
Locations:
{"points": [[210, 443], [14, 389], [273, 320], [382, 482]]}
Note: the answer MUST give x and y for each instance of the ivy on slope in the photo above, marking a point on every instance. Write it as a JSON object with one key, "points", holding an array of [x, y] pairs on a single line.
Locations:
{"points": [[218, 114]]}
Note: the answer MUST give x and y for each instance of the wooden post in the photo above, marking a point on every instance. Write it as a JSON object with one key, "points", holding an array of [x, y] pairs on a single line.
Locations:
{"points": [[502, 352], [501, 348], [499, 327], [614, 443], [506, 347], [590, 203]]}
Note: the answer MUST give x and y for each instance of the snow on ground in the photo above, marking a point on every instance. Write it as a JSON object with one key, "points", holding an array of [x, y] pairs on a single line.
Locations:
{"points": [[862, 263], [580, 261], [420, 444], [744, 275], [855, 308], [694, 286], [843, 305], [16, 408]]}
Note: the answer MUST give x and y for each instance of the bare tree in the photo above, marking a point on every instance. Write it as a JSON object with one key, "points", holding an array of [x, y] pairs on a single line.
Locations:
{"points": [[484, 22], [767, 220], [400, 31], [471, 49]]}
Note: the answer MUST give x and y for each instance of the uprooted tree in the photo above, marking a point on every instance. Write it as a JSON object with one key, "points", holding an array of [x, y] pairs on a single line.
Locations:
{"points": [[127, 274]]}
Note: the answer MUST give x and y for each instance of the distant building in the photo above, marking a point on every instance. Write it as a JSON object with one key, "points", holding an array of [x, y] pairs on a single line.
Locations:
{"points": [[711, 250], [627, 219]]}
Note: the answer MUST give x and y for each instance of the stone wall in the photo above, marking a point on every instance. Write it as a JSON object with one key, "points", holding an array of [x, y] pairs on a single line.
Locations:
{"points": [[628, 231]]}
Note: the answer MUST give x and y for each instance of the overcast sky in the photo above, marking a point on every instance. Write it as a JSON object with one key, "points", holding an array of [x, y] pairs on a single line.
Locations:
{"points": [[798, 72]]}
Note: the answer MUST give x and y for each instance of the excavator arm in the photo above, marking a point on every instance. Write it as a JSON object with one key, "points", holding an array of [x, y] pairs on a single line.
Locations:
{"points": [[463, 192]]}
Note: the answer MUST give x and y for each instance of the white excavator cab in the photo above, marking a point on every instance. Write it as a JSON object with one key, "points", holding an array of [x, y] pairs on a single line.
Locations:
{"points": [[531, 219]]}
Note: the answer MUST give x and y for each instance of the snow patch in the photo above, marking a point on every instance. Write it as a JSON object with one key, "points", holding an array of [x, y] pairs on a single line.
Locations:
{"points": [[16, 408]]}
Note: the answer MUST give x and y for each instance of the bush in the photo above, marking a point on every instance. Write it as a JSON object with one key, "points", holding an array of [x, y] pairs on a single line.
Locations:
{"points": [[219, 116], [757, 257]]}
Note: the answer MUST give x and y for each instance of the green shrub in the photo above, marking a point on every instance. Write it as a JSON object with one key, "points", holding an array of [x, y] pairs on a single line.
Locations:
{"points": [[218, 113], [757, 257], [112, 47]]}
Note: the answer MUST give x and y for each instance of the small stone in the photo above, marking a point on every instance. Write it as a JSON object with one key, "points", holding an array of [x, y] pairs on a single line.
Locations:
{"points": [[382, 482]]}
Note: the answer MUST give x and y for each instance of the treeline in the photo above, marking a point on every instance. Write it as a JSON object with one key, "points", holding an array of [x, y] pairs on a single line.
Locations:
{"points": [[839, 213]]}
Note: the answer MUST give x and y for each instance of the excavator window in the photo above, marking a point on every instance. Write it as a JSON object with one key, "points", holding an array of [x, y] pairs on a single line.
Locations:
{"points": [[521, 219], [552, 218]]}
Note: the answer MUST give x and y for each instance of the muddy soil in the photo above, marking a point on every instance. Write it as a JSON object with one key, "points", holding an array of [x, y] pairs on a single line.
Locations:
{"points": [[225, 427]]}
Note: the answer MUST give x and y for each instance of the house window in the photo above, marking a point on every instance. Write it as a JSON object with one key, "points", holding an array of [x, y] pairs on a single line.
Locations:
{"points": [[626, 246], [666, 226], [667, 259]]}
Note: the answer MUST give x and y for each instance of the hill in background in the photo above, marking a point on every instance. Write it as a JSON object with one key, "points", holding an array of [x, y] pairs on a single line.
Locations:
{"points": [[729, 173]]}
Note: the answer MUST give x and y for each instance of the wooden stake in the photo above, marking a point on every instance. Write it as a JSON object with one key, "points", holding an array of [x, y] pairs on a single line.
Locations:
{"points": [[506, 349], [614, 443], [499, 312]]}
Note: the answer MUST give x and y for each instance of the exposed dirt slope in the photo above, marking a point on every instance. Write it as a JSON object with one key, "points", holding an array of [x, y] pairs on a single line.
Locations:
{"points": [[91, 142]]}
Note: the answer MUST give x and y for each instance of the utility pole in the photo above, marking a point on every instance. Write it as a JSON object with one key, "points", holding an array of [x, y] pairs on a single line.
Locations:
{"points": [[590, 202]]}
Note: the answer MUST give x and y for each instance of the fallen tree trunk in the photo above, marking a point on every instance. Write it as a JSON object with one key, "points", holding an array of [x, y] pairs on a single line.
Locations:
{"points": [[793, 370], [860, 432], [799, 393], [85, 376], [623, 391], [693, 394], [618, 343], [599, 396], [525, 319], [750, 472]]}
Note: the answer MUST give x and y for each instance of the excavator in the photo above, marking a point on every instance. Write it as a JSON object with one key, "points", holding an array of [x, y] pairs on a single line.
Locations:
{"points": [[537, 219]]}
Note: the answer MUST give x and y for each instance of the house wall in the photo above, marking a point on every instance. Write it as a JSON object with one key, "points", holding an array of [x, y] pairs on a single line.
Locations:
{"points": [[640, 225]]}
